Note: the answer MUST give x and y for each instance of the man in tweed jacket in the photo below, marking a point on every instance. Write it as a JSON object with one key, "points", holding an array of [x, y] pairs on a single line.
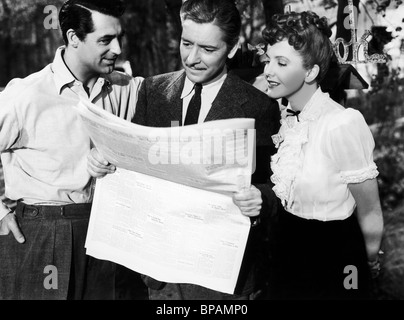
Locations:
{"points": [[162, 100], [210, 36]]}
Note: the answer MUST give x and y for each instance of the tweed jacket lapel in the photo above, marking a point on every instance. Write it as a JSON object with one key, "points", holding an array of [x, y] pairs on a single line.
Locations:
{"points": [[173, 96], [228, 101]]}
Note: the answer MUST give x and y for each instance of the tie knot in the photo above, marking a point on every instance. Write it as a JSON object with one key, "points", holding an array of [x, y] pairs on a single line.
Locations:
{"points": [[198, 88]]}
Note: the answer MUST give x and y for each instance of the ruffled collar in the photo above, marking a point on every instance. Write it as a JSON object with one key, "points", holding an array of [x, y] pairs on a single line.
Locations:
{"points": [[287, 163]]}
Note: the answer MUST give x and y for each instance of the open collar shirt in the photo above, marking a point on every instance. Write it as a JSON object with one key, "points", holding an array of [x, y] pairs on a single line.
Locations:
{"points": [[43, 144]]}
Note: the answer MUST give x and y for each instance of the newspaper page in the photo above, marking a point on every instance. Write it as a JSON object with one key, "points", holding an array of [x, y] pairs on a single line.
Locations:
{"points": [[175, 222], [171, 232], [216, 155]]}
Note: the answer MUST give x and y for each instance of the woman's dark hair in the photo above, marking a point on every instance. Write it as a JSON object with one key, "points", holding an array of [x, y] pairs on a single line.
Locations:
{"points": [[76, 15], [223, 13], [307, 33]]}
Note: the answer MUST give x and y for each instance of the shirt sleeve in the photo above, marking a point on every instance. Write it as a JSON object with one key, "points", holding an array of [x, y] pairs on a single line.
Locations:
{"points": [[9, 123], [351, 147], [4, 210]]}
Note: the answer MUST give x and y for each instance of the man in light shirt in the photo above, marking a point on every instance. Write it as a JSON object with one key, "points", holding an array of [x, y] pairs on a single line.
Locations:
{"points": [[210, 35], [44, 151]]}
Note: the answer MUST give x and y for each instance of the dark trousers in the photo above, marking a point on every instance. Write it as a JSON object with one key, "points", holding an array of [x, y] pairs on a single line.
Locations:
{"points": [[52, 263]]}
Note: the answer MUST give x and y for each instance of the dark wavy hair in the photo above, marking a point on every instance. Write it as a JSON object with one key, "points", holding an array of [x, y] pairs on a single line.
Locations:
{"points": [[223, 13], [307, 33], [76, 15]]}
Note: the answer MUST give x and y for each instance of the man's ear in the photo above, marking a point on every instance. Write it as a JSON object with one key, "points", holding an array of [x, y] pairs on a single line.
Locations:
{"points": [[72, 38], [312, 73], [233, 50]]}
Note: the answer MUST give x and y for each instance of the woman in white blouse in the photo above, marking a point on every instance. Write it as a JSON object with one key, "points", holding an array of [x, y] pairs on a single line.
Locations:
{"points": [[323, 172]]}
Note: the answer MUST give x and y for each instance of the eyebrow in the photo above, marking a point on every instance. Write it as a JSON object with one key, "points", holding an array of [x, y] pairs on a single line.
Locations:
{"points": [[209, 47], [281, 57], [201, 45], [111, 36]]}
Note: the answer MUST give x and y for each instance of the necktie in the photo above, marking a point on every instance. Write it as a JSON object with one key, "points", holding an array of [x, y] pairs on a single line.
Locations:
{"points": [[293, 113], [194, 106]]}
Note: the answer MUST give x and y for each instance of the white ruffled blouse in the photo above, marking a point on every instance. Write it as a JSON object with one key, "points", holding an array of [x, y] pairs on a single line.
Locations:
{"points": [[318, 156]]}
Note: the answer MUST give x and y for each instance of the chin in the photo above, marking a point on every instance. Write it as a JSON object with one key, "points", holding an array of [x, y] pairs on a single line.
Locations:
{"points": [[199, 77], [273, 95], [110, 70], [194, 79], [107, 69]]}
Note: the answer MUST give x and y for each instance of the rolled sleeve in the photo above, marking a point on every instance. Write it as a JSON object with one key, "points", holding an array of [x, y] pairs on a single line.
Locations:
{"points": [[4, 210]]}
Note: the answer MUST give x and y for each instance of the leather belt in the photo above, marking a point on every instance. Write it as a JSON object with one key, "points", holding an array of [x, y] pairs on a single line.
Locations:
{"points": [[69, 211]]}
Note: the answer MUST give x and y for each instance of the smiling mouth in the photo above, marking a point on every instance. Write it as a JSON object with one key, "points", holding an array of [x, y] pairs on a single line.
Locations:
{"points": [[193, 68], [110, 61], [273, 84]]}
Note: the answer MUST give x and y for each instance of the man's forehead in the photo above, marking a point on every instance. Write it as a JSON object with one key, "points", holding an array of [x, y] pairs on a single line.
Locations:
{"points": [[205, 33], [106, 24]]}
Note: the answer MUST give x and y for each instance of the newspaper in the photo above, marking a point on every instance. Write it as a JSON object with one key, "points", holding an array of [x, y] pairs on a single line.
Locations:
{"points": [[167, 211]]}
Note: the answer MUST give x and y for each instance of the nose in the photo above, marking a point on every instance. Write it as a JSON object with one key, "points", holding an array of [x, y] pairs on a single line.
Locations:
{"points": [[268, 70], [116, 47], [193, 56]]}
